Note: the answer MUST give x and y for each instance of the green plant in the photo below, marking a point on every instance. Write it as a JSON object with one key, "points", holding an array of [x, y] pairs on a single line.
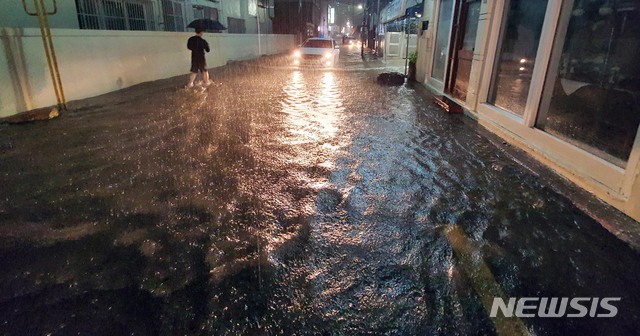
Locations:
{"points": [[413, 57]]}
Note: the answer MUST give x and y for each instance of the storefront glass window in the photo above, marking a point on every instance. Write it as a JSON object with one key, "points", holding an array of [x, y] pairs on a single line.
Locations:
{"points": [[516, 54], [593, 88], [441, 52]]}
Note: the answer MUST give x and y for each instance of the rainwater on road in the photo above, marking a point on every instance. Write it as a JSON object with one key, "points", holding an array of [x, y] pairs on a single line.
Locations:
{"points": [[287, 201]]}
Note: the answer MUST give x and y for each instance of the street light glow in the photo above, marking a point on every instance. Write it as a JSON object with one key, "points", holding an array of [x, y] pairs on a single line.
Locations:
{"points": [[360, 6]]}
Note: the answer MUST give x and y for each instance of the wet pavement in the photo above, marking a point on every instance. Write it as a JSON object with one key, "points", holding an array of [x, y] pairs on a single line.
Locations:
{"points": [[287, 201]]}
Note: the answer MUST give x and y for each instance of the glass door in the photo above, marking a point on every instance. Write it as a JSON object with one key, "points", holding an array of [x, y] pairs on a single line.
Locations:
{"points": [[464, 43], [443, 37]]}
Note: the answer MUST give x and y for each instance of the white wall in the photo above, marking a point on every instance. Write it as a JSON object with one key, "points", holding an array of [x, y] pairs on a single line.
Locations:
{"points": [[12, 14], [93, 62], [236, 9]]}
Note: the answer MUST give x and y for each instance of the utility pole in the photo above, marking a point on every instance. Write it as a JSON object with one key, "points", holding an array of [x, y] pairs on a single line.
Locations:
{"points": [[258, 23], [406, 53], [362, 37], [377, 46], [353, 16], [364, 30], [300, 22]]}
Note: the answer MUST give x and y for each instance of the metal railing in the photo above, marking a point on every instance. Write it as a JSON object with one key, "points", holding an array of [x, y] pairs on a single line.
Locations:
{"points": [[116, 14], [50, 52]]}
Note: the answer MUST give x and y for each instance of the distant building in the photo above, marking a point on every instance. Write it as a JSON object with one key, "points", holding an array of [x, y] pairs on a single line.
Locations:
{"points": [[303, 18], [399, 24], [238, 16]]}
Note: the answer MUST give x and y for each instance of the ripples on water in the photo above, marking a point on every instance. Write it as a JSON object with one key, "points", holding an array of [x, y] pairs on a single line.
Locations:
{"points": [[310, 202]]}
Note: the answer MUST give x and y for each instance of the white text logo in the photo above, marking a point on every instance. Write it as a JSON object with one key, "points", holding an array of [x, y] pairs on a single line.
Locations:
{"points": [[555, 307]]}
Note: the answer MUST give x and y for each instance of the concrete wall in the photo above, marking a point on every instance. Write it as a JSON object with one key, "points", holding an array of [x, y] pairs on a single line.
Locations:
{"points": [[93, 62], [12, 14], [251, 23], [238, 9]]}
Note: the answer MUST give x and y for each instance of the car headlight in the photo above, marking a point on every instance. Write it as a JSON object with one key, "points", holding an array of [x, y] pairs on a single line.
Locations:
{"points": [[297, 54], [327, 55]]}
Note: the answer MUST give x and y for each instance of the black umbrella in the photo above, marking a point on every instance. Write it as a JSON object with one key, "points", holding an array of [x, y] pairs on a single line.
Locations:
{"points": [[206, 24]]}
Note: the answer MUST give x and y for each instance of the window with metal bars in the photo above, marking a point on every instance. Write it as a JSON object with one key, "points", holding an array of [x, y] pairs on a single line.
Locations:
{"points": [[115, 14], [172, 11], [200, 12], [236, 26]]}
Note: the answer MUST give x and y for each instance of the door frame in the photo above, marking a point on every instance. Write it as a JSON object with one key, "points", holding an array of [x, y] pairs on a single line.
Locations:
{"points": [[436, 83], [457, 33]]}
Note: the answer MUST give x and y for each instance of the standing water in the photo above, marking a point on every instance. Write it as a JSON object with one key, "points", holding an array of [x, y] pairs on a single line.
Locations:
{"points": [[312, 202]]}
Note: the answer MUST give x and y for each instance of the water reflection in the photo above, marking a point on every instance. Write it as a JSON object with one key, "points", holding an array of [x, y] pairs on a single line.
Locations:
{"points": [[593, 82], [312, 106], [512, 93], [519, 41], [313, 203]]}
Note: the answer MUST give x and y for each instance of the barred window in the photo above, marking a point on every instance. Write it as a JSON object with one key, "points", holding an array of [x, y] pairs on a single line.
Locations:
{"points": [[88, 16], [236, 26], [200, 12], [115, 14], [136, 16], [173, 15]]}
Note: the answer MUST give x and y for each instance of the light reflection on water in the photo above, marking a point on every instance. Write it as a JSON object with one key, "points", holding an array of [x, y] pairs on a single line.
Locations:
{"points": [[312, 106], [313, 203], [512, 93]]}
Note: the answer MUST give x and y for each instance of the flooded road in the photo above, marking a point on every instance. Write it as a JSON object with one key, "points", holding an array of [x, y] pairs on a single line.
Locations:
{"points": [[287, 201]]}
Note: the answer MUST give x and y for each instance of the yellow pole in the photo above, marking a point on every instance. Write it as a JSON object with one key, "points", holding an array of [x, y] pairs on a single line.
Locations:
{"points": [[39, 14], [53, 54]]}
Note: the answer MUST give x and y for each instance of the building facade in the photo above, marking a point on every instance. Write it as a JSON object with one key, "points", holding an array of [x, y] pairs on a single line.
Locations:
{"points": [[303, 18], [400, 23], [106, 45], [559, 79], [238, 16]]}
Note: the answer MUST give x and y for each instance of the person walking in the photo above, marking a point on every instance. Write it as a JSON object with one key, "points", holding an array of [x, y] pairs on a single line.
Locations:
{"points": [[198, 47]]}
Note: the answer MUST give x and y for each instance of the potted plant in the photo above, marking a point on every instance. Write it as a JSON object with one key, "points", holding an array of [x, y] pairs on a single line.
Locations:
{"points": [[413, 59]]}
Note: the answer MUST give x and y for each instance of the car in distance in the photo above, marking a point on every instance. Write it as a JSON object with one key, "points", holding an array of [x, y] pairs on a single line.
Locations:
{"points": [[349, 40], [317, 51]]}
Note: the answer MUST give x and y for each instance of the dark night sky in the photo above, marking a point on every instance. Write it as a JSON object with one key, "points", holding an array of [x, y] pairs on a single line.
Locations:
{"points": [[345, 11]]}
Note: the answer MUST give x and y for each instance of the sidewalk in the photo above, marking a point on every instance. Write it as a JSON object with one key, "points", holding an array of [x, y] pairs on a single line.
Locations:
{"points": [[616, 222], [371, 60], [622, 226], [619, 224]]}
